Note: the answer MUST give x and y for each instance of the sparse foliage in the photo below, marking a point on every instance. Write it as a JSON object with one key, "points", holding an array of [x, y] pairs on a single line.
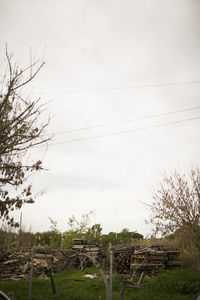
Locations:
{"points": [[176, 206], [77, 229], [20, 131], [80, 226]]}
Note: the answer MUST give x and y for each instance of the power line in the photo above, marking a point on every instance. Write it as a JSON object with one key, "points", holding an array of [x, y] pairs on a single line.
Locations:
{"points": [[129, 120], [124, 88], [124, 131]]}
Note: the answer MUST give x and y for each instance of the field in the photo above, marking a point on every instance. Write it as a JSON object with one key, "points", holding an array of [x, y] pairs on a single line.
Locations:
{"points": [[180, 284]]}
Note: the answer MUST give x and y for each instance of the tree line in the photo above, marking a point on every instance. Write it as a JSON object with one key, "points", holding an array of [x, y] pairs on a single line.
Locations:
{"points": [[21, 239]]}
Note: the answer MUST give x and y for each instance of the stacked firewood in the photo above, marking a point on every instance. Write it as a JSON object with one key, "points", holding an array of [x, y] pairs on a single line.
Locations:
{"points": [[149, 260], [14, 266], [172, 257], [58, 259], [122, 259], [86, 252]]}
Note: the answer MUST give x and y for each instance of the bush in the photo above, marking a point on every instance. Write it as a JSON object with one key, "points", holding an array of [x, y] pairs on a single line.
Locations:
{"points": [[180, 281]]}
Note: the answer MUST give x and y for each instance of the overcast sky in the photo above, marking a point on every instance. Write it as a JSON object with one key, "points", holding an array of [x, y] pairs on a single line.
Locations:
{"points": [[116, 68]]}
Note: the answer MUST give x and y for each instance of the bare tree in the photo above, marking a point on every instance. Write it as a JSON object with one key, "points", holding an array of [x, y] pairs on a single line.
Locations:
{"points": [[20, 131], [176, 205], [97, 265]]}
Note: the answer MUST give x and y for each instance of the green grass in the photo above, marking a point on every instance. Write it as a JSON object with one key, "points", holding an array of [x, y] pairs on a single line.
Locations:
{"points": [[169, 285]]}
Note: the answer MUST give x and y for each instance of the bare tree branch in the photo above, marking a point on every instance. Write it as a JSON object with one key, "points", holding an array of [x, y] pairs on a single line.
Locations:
{"points": [[20, 130]]}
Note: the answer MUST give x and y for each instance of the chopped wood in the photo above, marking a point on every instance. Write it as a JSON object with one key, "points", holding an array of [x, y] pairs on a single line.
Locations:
{"points": [[149, 260]]}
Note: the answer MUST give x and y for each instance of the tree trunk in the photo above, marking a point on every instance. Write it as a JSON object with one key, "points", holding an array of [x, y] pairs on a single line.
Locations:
{"points": [[198, 261], [123, 287]]}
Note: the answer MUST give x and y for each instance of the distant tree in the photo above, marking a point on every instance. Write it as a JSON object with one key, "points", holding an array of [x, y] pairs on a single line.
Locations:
{"points": [[96, 228], [176, 206], [128, 237], [51, 237], [55, 234], [43, 238], [80, 226], [21, 130], [124, 230], [94, 233], [77, 229], [125, 237]]}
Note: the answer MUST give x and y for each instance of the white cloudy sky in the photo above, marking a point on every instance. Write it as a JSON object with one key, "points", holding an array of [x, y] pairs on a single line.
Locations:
{"points": [[109, 61]]}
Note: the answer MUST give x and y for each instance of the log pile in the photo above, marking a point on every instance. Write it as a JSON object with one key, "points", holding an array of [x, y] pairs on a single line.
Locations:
{"points": [[149, 260], [122, 259], [172, 257], [59, 260], [15, 266], [81, 246]]}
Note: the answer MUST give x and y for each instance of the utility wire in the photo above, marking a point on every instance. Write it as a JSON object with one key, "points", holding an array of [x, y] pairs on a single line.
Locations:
{"points": [[129, 120], [124, 88], [125, 131]]}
